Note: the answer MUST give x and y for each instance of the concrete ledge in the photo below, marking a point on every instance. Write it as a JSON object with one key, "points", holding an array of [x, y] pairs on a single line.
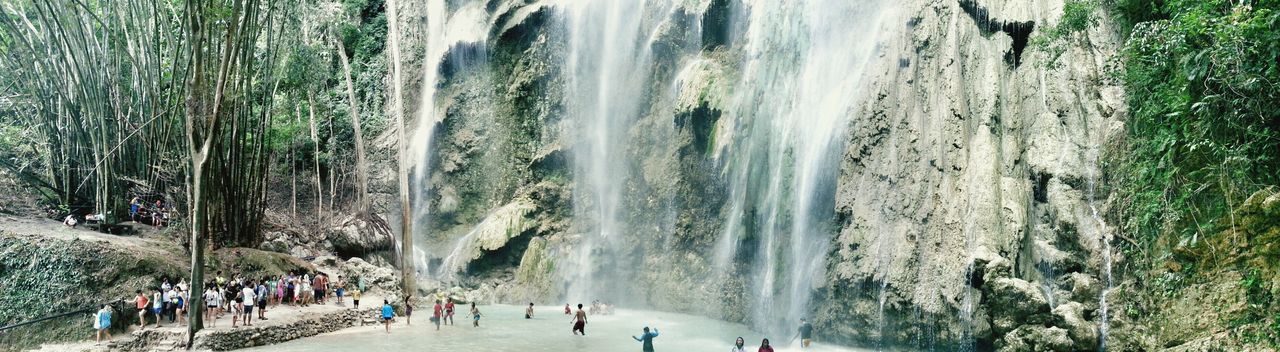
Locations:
{"points": [[245, 337]]}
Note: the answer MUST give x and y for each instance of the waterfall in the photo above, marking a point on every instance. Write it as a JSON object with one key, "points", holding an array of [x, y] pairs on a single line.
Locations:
{"points": [[1100, 231], [608, 60], [468, 24], [801, 75]]}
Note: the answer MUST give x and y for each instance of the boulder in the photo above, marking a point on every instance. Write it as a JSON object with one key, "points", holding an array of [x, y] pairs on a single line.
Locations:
{"points": [[356, 236], [1015, 302], [372, 278], [1070, 316], [1036, 338]]}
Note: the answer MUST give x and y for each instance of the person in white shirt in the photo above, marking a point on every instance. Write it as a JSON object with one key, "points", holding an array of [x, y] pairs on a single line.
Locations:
{"points": [[212, 304], [171, 298], [249, 298], [157, 305]]}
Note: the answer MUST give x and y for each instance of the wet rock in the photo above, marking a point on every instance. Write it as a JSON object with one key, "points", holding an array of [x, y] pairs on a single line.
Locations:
{"points": [[1015, 302], [1070, 316], [1036, 338], [1083, 287]]}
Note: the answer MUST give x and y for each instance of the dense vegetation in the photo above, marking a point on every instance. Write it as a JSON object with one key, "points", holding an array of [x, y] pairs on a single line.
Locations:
{"points": [[198, 103], [1203, 85], [93, 98]]}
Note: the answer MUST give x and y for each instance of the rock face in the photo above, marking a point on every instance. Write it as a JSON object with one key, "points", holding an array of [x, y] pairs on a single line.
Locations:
{"points": [[357, 236], [963, 156], [960, 207], [371, 277]]}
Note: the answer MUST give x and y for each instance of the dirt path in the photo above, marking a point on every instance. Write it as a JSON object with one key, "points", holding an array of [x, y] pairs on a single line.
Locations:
{"points": [[149, 239]]}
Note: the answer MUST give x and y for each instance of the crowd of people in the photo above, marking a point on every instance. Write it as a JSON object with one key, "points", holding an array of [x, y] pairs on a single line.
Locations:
{"points": [[245, 298]]}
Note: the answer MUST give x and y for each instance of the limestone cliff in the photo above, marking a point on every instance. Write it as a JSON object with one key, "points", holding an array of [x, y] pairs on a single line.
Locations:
{"points": [[960, 207], [972, 178]]}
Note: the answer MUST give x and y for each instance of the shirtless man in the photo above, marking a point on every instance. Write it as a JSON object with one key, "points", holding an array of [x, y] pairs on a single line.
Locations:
{"points": [[528, 312], [579, 321]]}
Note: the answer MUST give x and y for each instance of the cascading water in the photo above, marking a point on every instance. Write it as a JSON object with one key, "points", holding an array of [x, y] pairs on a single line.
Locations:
{"points": [[468, 24], [607, 65], [1100, 230], [801, 74]]}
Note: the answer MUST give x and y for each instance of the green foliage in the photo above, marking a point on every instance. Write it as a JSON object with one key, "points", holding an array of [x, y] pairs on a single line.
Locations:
{"points": [[1203, 85], [1077, 17], [1131, 12], [1204, 93], [1255, 324]]}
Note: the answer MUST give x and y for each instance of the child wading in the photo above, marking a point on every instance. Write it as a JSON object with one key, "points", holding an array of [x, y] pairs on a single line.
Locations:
{"points": [[475, 315]]}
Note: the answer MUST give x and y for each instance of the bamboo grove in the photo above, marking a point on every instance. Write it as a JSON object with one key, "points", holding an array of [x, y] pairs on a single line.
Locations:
{"points": [[95, 97]]}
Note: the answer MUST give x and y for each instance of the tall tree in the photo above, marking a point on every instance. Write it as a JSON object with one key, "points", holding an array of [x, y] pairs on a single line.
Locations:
{"points": [[362, 175], [406, 220]]}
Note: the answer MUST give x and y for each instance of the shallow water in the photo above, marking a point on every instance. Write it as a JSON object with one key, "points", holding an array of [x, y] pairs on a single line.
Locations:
{"points": [[503, 328]]}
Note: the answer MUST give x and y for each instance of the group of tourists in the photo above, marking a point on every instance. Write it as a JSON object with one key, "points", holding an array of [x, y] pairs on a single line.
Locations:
{"points": [[158, 212], [804, 333], [306, 289], [579, 321], [168, 301], [238, 296], [440, 314]]}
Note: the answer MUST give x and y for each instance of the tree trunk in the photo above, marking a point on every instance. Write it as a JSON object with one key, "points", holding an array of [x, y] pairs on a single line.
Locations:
{"points": [[293, 168], [315, 137], [406, 220], [362, 176]]}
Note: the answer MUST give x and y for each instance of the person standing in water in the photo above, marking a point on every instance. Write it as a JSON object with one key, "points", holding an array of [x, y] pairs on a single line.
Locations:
{"points": [[475, 315], [647, 338], [737, 345], [387, 314], [437, 314], [567, 310], [408, 309], [448, 311], [805, 333], [528, 312], [580, 321], [764, 346]]}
